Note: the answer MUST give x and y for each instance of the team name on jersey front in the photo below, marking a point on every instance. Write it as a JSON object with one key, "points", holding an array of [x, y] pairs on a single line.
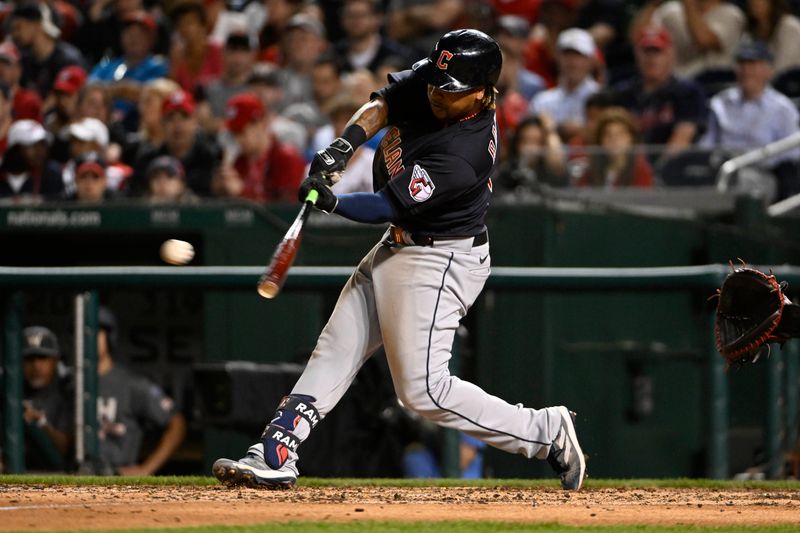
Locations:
{"points": [[392, 152]]}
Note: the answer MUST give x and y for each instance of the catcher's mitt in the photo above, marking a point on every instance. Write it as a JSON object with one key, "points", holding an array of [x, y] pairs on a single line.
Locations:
{"points": [[752, 311]]}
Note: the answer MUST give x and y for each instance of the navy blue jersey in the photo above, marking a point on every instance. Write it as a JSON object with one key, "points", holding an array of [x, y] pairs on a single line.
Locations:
{"points": [[437, 176]]}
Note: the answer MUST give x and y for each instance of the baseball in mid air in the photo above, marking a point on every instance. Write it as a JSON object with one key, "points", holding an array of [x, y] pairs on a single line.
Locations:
{"points": [[177, 252]]}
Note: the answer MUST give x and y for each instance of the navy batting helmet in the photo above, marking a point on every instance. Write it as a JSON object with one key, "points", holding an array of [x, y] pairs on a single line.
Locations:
{"points": [[461, 60]]}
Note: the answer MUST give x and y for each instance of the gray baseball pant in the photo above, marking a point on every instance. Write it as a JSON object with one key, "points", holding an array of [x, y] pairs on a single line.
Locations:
{"points": [[410, 300]]}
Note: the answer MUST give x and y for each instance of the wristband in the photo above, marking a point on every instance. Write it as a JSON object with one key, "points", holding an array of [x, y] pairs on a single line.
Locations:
{"points": [[355, 135]]}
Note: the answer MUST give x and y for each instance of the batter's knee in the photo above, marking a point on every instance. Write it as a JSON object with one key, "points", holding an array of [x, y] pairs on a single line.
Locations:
{"points": [[423, 401]]}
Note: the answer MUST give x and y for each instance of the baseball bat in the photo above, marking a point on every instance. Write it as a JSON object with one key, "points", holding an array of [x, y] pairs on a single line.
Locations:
{"points": [[271, 281]]}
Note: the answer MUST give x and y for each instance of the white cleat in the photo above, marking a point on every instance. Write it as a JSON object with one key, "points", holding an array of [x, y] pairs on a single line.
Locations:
{"points": [[566, 456]]}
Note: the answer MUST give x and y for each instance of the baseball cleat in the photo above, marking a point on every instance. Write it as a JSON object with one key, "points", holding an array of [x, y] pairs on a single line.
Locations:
{"points": [[566, 456], [251, 471]]}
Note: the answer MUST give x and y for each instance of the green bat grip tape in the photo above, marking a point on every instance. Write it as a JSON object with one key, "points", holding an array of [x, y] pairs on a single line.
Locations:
{"points": [[312, 196]]}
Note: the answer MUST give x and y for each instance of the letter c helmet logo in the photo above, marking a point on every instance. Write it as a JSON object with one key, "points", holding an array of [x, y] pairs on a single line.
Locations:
{"points": [[444, 57]]}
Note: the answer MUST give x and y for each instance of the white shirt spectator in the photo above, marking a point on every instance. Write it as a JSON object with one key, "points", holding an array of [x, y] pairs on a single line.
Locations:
{"points": [[769, 118], [562, 105], [725, 20]]}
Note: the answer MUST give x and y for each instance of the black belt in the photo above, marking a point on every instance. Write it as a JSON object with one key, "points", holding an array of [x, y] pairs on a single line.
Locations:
{"points": [[399, 236]]}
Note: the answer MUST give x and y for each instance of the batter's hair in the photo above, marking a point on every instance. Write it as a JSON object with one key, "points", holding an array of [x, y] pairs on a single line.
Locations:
{"points": [[489, 100]]}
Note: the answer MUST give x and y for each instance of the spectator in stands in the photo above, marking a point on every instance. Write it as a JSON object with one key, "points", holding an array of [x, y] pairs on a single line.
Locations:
{"points": [[669, 111], [47, 403], [565, 103], [772, 22], [418, 24], [194, 59], [753, 114], [617, 163], [555, 16], [278, 14], [238, 59], [607, 21], [516, 85], [94, 101], [303, 43], [125, 74], [64, 110], [5, 116], [43, 54], [326, 79], [166, 182], [91, 182], [127, 404], [358, 85], [25, 102], [580, 145], [704, 32], [184, 141], [512, 36], [364, 47], [264, 170], [529, 9], [150, 134], [265, 83], [87, 135], [103, 23], [535, 159], [25, 172], [224, 21]]}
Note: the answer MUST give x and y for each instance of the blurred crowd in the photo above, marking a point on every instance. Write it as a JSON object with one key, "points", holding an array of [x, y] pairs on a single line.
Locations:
{"points": [[182, 100]]}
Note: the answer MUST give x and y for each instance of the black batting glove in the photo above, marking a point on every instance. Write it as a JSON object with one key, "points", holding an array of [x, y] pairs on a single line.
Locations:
{"points": [[332, 159], [327, 199]]}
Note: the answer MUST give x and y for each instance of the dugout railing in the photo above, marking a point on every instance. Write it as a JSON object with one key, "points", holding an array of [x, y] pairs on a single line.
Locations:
{"points": [[781, 416]]}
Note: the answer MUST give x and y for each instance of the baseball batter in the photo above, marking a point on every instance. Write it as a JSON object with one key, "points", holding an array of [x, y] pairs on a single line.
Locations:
{"points": [[432, 181]]}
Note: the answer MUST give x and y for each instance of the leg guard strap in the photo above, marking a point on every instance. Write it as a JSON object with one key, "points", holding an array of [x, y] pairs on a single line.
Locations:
{"points": [[300, 406], [278, 444]]}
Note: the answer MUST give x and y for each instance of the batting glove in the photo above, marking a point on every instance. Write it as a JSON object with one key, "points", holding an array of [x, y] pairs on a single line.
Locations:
{"points": [[327, 200], [332, 160]]}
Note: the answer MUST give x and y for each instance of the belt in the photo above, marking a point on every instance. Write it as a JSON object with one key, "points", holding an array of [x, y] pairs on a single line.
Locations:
{"points": [[399, 236]]}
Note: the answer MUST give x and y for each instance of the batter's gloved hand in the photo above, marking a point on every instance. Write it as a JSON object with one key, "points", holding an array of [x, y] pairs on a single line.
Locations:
{"points": [[330, 162], [327, 199]]}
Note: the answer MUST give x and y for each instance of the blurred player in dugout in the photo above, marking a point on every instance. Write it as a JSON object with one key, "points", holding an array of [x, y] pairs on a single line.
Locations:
{"points": [[128, 405], [47, 402]]}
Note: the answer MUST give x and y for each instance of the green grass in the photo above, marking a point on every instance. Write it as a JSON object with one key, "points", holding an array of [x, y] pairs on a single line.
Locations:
{"points": [[453, 527], [201, 481]]}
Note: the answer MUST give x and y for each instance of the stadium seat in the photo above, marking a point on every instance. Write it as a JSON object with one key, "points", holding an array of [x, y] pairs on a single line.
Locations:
{"points": [[689, 168], [788, 82], [713, 80]]}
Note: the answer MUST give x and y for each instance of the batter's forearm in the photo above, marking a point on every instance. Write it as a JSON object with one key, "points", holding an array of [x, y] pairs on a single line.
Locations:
{"points": [[367, 207], [372, 117]]}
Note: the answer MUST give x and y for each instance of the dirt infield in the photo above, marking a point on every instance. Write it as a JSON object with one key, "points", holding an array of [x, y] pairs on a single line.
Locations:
{"points": [[40, 507]]}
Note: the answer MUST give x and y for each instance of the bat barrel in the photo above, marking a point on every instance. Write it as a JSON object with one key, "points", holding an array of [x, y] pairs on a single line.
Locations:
{"points": [[275, 275]]}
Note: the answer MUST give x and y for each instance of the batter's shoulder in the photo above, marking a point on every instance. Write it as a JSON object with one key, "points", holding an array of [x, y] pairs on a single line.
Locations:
{"points": [[475, 141]]}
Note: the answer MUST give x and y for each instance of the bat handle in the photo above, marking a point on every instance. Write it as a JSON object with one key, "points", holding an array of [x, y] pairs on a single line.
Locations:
{"points": [[312, 197]]}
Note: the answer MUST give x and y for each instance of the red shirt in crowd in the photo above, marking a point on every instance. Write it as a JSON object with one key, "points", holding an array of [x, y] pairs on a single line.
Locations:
{"points": [[642, 175], [528, 9], [210, 70], [275, 176]]}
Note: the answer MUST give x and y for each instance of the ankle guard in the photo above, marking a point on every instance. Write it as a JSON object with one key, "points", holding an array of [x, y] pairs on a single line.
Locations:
{"points": [[294, 419]]}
